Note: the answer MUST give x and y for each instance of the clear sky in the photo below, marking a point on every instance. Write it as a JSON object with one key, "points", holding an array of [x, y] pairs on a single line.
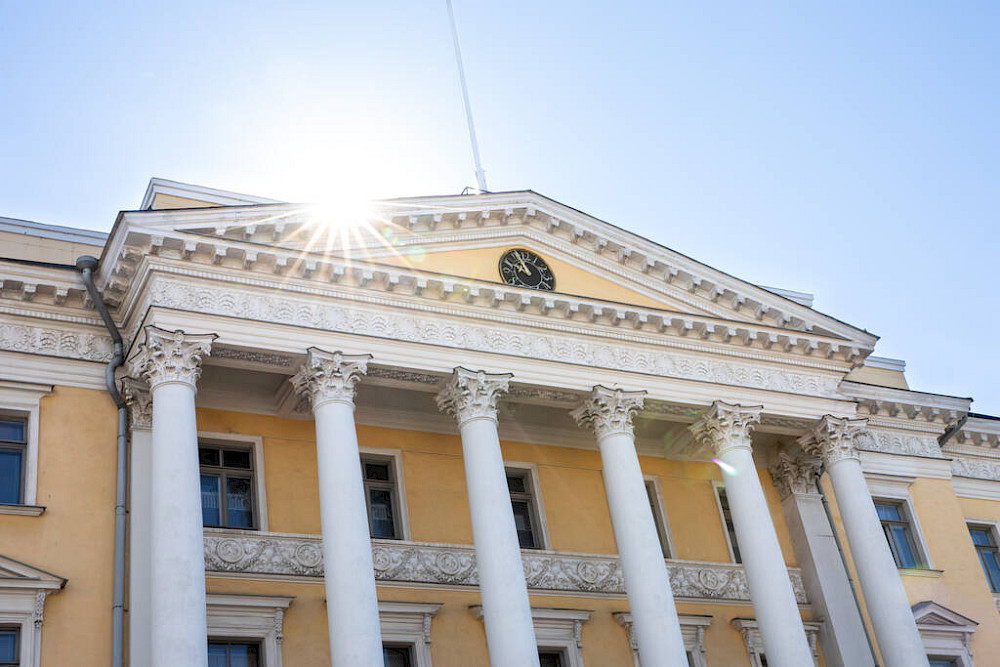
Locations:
{"points": [[849, 149]]}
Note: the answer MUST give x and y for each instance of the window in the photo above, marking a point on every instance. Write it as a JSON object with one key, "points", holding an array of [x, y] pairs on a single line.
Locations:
{"points": [[984, 539], [233, 654], [659, 515], [941, 662], [13, 445], [245, 630], [525, 502], [227, 487], [755, 644], [381, 497], [397, 656], [692, 632], [896, 526], [550, 659], [9, 649], [727, 521], [559, 633], [947, 635], [406, 632]]}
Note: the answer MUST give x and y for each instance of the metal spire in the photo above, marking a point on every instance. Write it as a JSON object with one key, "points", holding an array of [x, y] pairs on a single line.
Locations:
{"points": [[480, 174]]}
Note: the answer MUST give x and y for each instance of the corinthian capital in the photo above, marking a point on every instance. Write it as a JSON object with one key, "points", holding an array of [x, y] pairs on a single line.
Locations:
{"points": [[171, 356], [794, 475], [609, 411], [725, 426], [140, 403], [833, 439], [473, 394], [330, 376]]}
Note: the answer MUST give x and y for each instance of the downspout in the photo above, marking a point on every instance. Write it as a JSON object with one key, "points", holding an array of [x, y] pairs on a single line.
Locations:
{"points": [[86, 265], [950, 433], [847, 571]]}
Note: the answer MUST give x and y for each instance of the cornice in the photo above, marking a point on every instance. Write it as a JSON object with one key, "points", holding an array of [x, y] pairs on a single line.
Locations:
{"points": [[979, 436], [902, 408], [277, 555]]}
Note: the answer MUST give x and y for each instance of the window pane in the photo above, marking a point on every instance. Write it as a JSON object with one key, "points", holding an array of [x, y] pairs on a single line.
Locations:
{"points": [[236, 458], [516, 484], [981, 537], [211, 512], [888, 512], [218, 655], [12, 430], [396, 656], [243, 655], [377, 471], [10, 475], [901, 537], [239, 502], [8, 645], [381, 508], [522, 521], [992, 568], [208, 457], [942, 662], [547, 659]]}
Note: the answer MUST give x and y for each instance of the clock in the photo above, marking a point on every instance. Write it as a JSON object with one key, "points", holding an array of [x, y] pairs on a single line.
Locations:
{"points": [[523, 268]]}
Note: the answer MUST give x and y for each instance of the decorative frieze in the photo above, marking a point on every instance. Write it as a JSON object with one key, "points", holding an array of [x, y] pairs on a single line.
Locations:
{"points": [[894, 442], [473, 394], [55, 342], [271, 554], [975, 468], [330, 376], [631, 353], [609, 411], [724, 426]]}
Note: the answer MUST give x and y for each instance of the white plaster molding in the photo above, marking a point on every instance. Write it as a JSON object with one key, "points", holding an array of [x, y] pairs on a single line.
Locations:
{"points": [[967, 466], [945, 633], [23, 591], [33, 368], [278, 554], [795, 475], [473, 394], [896, 465], [692, 630], [895, 442], [409, 623], [833, 439], [330, 376], [609, 411], [56, 341], [980, 489], [171, 356], [725, 426], [252, 617], [139, 401], [755, 644], [556, 630]]}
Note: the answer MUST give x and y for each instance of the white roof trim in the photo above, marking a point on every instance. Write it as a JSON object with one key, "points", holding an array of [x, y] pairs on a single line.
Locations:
{"points": [[802, 298], [162, 186], [886, 363], [56, 232]]}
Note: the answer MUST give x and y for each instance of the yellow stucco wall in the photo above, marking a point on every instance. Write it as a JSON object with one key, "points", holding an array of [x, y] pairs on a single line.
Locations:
{"points": [[39, 249], [482, 264], [162, 201], [73, 538]]}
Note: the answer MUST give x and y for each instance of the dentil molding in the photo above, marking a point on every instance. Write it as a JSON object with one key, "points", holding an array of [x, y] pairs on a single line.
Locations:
{"points": [[274, 554]]}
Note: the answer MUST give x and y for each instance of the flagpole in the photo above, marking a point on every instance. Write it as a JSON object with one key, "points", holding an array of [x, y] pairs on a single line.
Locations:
{"points": [[480, 174]]}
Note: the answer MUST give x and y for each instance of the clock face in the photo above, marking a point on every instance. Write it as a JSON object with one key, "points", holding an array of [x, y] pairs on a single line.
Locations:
{"points": [[523, 268]]}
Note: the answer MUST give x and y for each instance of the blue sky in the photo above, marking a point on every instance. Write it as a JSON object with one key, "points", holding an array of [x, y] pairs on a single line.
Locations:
{"points": [[847, 149]]}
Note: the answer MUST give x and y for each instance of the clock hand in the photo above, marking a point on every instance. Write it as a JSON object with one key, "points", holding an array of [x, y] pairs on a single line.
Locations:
{"points": [[524, 267]]}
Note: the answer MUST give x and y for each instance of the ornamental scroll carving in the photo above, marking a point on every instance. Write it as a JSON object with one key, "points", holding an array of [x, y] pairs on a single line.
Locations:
{"points": [[329, 376], [270, 554], [975, 469], [139, 401], [795, 475], [558, 345], [609, 411], [833, 439], [55, 342], [725, 426], [171, 356], [473, 394]]}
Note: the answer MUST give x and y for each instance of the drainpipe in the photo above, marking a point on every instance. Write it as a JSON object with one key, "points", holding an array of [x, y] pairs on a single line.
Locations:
{"points": [[86, 265]]}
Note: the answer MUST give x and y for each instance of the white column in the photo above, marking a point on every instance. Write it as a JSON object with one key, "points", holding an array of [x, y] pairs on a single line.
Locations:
{"points": [[823, 573], [140, 547], [727, 429], [655, 625], [171, 363], [472, 399], [328, 380], [892, 619]]}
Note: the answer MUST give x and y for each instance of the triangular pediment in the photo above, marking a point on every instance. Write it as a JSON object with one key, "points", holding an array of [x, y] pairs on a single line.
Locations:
{"points": [[15, 574], [930, 613]]}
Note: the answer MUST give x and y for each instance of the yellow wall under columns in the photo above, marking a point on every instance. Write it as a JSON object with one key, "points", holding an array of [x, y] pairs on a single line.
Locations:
{"points": [[74, 537], [957, 580], [483, 264]]}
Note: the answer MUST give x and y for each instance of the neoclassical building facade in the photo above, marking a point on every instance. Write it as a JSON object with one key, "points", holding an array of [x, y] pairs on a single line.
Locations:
{"points": [[463, 430]]}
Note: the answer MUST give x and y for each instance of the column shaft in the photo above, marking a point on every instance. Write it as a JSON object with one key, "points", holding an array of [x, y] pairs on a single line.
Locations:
{"points": [[892, 619], [351, 602], [650, 599], [180, 634], [510, 630]]}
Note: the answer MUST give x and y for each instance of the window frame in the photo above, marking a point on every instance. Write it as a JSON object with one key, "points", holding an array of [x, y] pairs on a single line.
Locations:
{"points": [[754, 642], [242, 640], [945, 634], [557, 630], [895, 490], [732, 543], [693, 628], [993, 527], [257, 618], [655, 493], [22, 605], [408, 624], [530, 473], [906, 523], [395, 459], [20, 446], [16, 628], [22, 400], [255, 445]]}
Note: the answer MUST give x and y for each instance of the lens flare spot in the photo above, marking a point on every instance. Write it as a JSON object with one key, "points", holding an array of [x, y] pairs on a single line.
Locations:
{"points": [[726, 468]]}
